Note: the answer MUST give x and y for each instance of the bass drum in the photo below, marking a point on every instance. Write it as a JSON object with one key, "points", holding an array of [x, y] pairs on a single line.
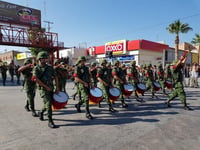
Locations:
{"points": [[114, 93], [128, 89], [95, 96], [141, 88], [59, 100], [157, 86], [168, 84]]}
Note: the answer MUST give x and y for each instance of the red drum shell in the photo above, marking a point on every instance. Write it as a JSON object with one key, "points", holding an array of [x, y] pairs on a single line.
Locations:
{"points": [[59, 100], [128, 89], [95, 96], [141, 88], [168, 84], [114, 93], [157, 86]]}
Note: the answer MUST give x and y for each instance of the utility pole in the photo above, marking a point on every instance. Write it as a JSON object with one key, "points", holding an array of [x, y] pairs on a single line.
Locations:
{"points": [[48, 22]]}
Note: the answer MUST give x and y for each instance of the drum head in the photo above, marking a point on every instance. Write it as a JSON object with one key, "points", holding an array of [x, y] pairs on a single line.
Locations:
{"points": [[157, 84], [129, 87], [114, 91], [61, 97], [141, 86], [96, 92]]}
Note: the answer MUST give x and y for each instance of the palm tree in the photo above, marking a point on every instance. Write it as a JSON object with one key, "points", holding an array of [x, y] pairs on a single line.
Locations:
{"points": [[176, 28], [196, 41]]}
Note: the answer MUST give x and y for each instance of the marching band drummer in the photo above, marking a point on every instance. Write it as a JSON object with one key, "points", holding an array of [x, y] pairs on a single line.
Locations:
{"points": [[133, 77], [105, 79], [44, 75], [150, 80], [119, 80], [178, 91], [82, 76], [61, 74], [161, 78]]}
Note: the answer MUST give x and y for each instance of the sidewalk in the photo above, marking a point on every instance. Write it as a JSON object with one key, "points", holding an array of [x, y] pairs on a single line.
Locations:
{"points": [[142, 126]]}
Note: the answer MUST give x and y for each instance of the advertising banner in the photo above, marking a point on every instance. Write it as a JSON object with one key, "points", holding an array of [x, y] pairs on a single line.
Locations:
{"points": [[19, 15], [117, 47]]}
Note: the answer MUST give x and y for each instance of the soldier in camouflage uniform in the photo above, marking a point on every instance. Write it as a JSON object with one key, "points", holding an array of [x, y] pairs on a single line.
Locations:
{"points": [[105, 79], [44, 75], [61, 73], [150, 80], [29, 85], [119, 80], [178, 83], [4, 69], [82, 76], [93, 74], [161, 78], [133, 77]]}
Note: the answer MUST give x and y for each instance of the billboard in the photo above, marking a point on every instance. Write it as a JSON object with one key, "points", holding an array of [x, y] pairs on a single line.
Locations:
{"points": [[19, 15], [117, 47]]}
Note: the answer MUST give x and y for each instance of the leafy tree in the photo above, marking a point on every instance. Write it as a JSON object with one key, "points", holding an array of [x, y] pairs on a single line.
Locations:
{"points": [[176, 28]]}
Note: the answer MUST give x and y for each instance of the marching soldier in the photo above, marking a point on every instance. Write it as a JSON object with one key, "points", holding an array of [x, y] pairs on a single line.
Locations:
{"points": [[82, 76], [93, 72], [119, 80], [134, 77], [29, 85], [4, 69], [161, 78], [61, 73], [105, 79], [178, 82], [150, 80], [44, 75]]}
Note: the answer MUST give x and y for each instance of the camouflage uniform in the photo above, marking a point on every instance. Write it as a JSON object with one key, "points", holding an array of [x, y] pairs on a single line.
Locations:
{"points": [[178, 84], [161, 77], [44, 75], [105, 78], [29, 85], [82, 76], [119, 80]]}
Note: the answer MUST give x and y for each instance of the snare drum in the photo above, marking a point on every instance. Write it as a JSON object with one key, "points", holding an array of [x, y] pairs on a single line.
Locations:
{"points": [[114, 93], [168, 84], [95, 96], [59, 100], [141, 88], [128, 89], [157, 86]]}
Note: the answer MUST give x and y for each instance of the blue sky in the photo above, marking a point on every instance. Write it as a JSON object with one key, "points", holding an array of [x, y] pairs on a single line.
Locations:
{"points": [[95, 22]]}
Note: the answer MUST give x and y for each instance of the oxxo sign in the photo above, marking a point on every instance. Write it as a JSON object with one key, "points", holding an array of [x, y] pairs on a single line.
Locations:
{"points": [[117, 47]]}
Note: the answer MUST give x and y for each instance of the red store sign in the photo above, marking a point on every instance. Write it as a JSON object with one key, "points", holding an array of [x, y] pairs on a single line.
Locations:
{"points": [[117, 47]]}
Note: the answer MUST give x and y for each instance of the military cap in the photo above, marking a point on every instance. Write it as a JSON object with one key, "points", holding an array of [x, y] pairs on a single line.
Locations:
{"points": [[103, 61], [27, 61], [42, 54], [116, 62], [56, 61]]}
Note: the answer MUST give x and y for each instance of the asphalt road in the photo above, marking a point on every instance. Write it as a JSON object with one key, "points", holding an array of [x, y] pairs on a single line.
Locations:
{"points": [[141, 126]]}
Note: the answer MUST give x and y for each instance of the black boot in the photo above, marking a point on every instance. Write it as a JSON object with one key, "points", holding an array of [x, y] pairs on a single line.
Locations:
{"points": [[111, 109], [88, 115], [51, 124], [124, 105], [78, 107], [167, 103], [41, 116], [187, 108], [34, 114], [27, 107]]}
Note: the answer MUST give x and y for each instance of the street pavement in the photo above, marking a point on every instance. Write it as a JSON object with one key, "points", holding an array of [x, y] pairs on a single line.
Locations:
{"points": [[141, 126]]}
